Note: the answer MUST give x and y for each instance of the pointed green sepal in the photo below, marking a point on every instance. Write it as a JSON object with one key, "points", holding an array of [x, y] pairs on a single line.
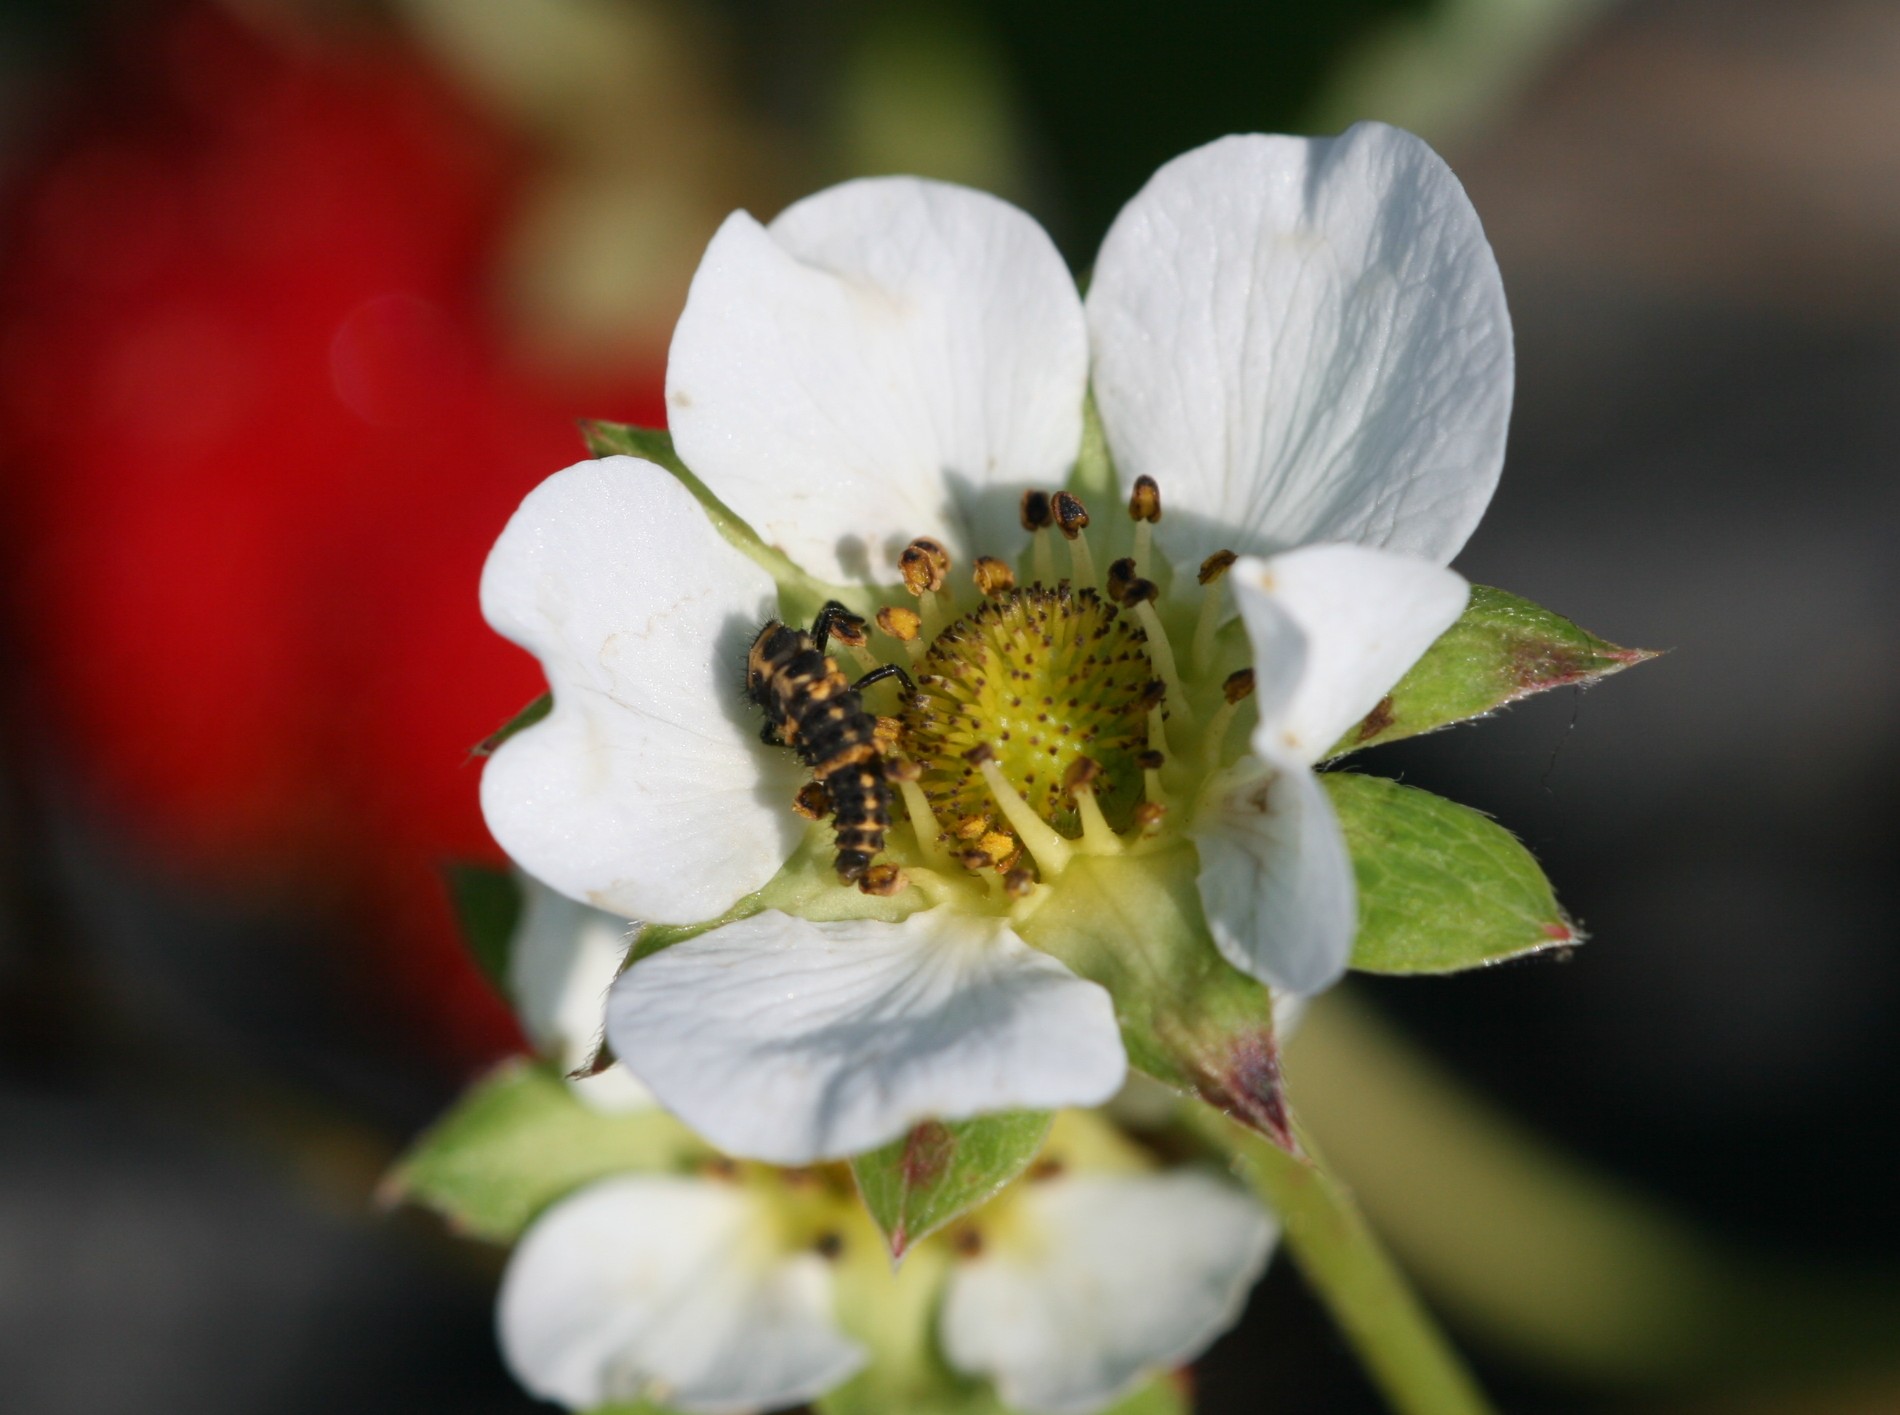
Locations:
{"points": [[1442, 887], [941, 1170], [522, 720], [519, 1140], [1502, 648], [1188, 1017], [487, 905]]}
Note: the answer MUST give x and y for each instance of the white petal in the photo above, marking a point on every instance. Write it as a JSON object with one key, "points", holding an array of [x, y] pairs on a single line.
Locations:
{"points": [[676, 1289], [1097, 1280], [1304, 340], [1359, 618], [784, 1040], [1276, 879], [562, 959], [890, 358], [646, 790]]}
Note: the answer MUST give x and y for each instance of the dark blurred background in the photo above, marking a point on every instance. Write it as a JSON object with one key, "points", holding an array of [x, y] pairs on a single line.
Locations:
{"points": [[297, 300]]}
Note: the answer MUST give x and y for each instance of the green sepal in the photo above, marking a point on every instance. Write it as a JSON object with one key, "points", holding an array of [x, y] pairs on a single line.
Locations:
{"points": [[1442, 887], [1188, 1017], [800, 595], [1502, 648], [519, 1140], [941, 1170], [487, 905], [520, 722]]}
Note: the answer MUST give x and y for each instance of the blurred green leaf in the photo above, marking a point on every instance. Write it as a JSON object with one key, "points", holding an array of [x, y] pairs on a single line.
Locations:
{"points": [[522, 720], [1502, 648], [1441, 887], [916, 1185], [519, 1140], [487, 904]]}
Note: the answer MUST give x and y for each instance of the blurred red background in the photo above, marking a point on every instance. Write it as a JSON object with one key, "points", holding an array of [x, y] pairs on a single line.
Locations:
{"points": [[261, 426]]}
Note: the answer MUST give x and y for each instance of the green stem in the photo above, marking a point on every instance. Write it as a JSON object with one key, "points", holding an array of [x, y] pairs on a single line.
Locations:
{"points": [[1403, 1350]]}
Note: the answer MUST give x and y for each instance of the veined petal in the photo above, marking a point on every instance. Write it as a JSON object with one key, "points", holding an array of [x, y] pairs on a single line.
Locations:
{"points": [[671, 1288], [645, 791], [889, 358], [1276, 879], [790, 1041], [1097, 1280], [561, 961], [1305, 340], [1361, 618]]}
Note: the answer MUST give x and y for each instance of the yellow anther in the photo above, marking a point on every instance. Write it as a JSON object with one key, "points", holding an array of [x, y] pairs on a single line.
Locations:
{"points": [[901, 624], [1071, 516], [924, 564], [812, 801], [993, 577], [882, 880]]}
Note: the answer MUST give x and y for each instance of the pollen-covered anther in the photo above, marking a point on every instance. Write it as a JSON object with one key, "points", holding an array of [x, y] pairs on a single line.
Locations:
{"points": [[1071, 516], [885, 737], [1121, 575], [1137, 591], [924, 565], [883, 880], [1144, 502], [1216, 565], [847, 629], [812, 802], [993, 577], [1238, 685], [999, 849], [900, 623]]}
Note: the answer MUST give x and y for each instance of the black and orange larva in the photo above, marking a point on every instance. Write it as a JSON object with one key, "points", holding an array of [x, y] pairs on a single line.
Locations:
{"points": [[811, 707]]}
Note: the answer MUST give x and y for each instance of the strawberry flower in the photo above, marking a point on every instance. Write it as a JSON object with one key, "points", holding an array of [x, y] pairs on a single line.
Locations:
{"points": [[1301, 360]]}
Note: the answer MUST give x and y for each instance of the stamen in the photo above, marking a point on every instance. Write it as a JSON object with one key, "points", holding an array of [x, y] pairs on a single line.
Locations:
{"points": [[1158, 746], [901, 624], [1212, 570], [1144, 507], [1072, 518], [1079, 781], [906, 776], [1121, 578], [993, 577], [1149, 815], [1018, 883], [1140, 597], [1235, 690], [1037, 518], [1052, 853]]}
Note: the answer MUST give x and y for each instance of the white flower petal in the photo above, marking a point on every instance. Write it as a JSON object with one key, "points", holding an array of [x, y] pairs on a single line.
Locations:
{"points": [[890, 358], [646, 790], [784, 1040], [1361, 618], [1276, 879], [1096, 1280], [672, 1288], [1303, 340], [562, 959]]}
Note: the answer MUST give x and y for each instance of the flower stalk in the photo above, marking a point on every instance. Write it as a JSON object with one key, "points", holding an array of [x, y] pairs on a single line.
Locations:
{"points": [[1394, 1337]]}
